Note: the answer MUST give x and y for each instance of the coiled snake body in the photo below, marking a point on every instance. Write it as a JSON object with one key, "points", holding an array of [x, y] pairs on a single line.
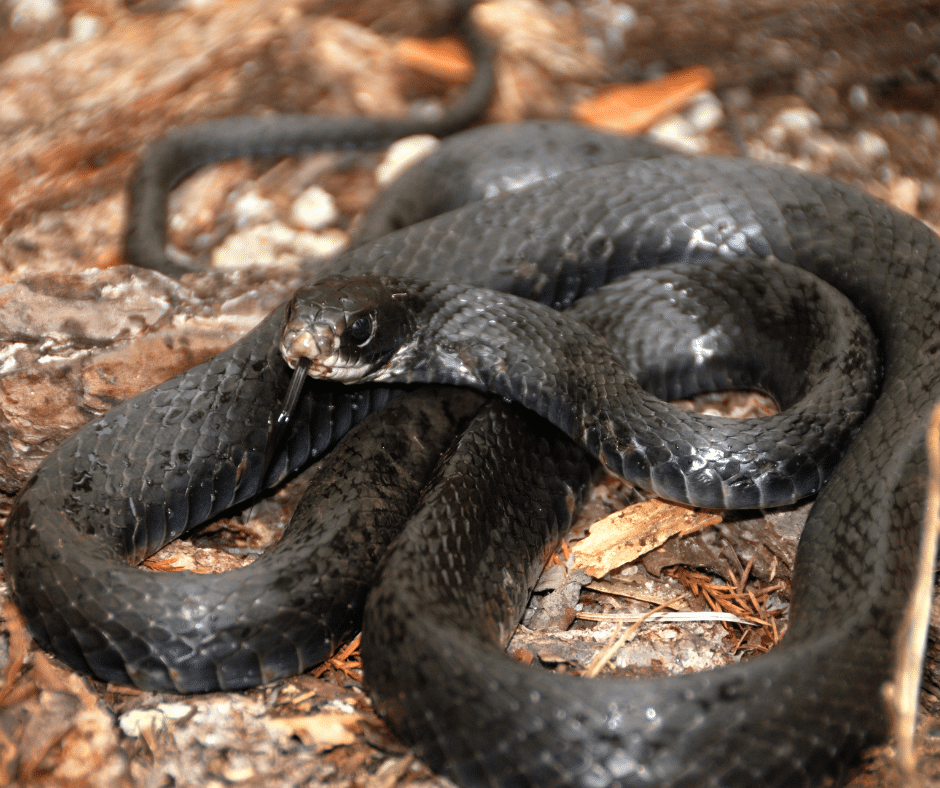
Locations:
{"points": [[174, 456]]}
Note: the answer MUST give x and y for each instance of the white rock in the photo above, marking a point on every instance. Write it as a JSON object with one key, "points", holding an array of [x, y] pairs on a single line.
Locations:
{"points": [[135, 722], [871, 147], [322, 244], [259, 245], [929, 127], [858, 97], [677, 133], [623, 17], [175, 711], [84, 26], [798, 119], [34, 13], [274, 243], [402, 154], [314, 209], [251, 208], [706, 113], [614, 19]]}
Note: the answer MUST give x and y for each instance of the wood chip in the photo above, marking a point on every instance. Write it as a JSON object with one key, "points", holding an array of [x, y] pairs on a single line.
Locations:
{"points": [[632, 109], [323, 731], [626, 535], [444, 58]]}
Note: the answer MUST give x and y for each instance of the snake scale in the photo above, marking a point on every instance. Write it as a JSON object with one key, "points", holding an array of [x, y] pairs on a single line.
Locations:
{"points": [[159, 464]]}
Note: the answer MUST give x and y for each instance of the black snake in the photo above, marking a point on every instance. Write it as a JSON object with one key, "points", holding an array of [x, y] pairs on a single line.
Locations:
{"points": [[180, 453]]}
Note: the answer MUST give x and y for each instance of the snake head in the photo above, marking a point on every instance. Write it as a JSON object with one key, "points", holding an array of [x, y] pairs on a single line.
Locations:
{"points": [[348, 327]]}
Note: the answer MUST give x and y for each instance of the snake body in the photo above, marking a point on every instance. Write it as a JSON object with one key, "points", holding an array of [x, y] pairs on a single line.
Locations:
{"points": [[193, 446], [366, 329], [158, 465]]}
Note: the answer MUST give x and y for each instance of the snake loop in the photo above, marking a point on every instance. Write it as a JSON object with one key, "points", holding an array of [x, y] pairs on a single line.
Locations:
{"points": [[159, 464]]}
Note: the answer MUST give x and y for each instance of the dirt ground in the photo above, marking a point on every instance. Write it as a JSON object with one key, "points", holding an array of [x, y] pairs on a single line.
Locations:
{"points": [[849, 89]]}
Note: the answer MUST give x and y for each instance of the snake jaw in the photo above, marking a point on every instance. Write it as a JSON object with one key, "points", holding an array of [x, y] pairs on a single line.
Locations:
{"points": [[316, 342], [320, 341], [348, 327]]}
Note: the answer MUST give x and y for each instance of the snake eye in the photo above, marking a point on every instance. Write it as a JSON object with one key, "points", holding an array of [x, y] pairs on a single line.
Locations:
{"points": [[362, 330]]}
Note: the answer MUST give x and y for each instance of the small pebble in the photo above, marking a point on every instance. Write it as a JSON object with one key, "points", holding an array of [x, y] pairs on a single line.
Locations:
{"points": [[314, 209], [175, 711], [85, 27], [274, 243], [858, 98], [251, 208], [871, 147], [322, 244], [402, 154], [677, 133], [238, 771], [929, 128], [259, 245], [798, 119], [705, 113], [32, 14], [134, 722], [623, 17], [614, 19]]}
